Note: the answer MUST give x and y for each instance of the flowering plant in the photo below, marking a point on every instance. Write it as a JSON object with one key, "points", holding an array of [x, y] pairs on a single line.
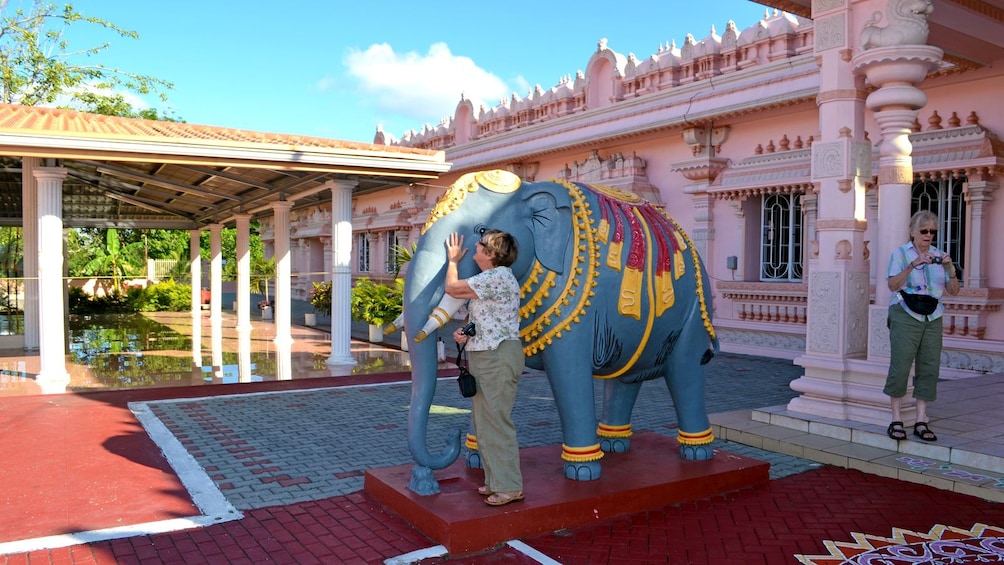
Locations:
{"points": [[264, 304]]}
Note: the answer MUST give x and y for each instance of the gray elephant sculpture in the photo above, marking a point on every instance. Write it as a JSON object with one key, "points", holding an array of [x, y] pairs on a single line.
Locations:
{"points": [[611, 289]]}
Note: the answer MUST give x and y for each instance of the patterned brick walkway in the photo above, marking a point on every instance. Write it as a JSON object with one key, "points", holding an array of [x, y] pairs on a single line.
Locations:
{"points": [[292, 463]]}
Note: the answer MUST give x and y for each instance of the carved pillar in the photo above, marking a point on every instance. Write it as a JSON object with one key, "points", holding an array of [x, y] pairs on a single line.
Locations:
{"points": [[705, 142], [838, 382], [979, 193], [843, 378], [341, 273]]}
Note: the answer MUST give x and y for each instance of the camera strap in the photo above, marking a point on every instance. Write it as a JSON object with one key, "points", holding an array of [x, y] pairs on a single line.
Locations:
{"points": [[461, 363]]}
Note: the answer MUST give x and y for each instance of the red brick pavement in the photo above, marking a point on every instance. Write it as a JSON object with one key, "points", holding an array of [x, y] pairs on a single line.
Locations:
{"points": [[764, 525]]}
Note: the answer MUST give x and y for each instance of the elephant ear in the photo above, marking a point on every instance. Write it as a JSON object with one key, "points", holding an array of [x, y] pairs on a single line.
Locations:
{"points": [[549, 214]]}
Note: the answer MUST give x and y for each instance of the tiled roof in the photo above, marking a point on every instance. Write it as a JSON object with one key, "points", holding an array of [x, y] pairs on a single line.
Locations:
{"points": [[54, 121]]}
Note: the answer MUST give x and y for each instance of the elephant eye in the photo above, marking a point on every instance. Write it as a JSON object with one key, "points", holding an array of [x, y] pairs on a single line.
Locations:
{"points": [[480, 230]]}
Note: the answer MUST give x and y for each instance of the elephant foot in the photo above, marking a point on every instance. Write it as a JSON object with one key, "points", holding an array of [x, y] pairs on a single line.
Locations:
{"points": [[582, 471], [422, 482], [697, 452], [474, 460], [615, 444]]}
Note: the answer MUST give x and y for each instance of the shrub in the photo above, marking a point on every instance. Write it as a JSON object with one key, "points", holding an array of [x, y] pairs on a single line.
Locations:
{"points": [[375, 303], [167, 296], [320, 298]]}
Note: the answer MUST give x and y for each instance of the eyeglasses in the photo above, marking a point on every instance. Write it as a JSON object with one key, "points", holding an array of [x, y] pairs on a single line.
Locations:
{"points": [[928, 232]]}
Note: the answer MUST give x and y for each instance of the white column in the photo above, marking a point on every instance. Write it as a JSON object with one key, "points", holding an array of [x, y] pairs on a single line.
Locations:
{"points": [[243, 273], [216, 299], [341, 273], [52, 375], [283, 267], [244, 357], [195, 266], [215, 274], [29, 232]]}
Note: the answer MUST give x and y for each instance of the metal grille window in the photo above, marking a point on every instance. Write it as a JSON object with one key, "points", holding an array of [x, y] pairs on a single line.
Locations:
{"points": [[363, 253], [943, 196], [395, 238], [781, 238]]}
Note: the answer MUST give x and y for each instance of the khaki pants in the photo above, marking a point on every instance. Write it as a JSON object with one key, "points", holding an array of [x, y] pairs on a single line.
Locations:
{"points": [[497, 373]]}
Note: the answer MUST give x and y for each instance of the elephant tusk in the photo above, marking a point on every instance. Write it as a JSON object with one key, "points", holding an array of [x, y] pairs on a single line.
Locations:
{"points": [[441, 314], [397, 324]]}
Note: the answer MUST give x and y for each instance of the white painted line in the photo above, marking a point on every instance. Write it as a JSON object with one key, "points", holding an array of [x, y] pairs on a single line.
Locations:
{"points": [[438, 551], [416, 556], [532, 553], [66, 540], [202, 489]]}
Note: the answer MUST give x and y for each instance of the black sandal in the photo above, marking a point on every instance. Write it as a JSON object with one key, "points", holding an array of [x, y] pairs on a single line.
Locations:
{"points": [[896, 431], [921, 430]]}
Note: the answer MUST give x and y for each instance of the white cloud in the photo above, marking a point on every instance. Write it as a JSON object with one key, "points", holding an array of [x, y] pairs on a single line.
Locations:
{"points": [[425, 87]]}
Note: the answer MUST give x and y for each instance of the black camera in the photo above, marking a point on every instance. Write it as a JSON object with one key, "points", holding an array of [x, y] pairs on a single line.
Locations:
{"points": [[936, 260], [468, 329]]}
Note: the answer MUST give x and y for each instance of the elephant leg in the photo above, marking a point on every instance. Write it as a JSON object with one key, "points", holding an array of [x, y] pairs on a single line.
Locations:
{"points": [[569, 373], [618, 404], [684, 376]]}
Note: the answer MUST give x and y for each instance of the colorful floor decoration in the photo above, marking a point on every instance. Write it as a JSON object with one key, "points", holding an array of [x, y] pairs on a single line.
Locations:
{"points": [[943, 545]]}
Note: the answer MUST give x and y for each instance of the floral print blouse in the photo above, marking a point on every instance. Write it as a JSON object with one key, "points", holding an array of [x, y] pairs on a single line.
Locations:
{"points": [[495, 312]]}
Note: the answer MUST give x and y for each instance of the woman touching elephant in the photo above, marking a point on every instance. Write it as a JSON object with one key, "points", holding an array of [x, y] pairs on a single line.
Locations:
{"points": [[496, 356]]}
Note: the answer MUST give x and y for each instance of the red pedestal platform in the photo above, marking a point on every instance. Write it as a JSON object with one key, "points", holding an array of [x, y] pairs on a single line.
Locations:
{"points": [[650, 476]]}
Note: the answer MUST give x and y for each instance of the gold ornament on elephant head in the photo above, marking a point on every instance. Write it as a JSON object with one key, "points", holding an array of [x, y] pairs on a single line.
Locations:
{"points": [[499, 181]]}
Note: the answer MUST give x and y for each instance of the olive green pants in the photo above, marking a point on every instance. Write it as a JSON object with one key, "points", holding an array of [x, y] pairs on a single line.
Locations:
{"points": [[497, 374], [913, 342]]}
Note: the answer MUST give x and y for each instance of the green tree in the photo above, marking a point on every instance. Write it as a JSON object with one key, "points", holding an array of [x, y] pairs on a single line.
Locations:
{"points": [[115, 260], [38, 66]]}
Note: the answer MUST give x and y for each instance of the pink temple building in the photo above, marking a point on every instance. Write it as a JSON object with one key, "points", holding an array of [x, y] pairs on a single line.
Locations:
{"points": [[793, 151]]}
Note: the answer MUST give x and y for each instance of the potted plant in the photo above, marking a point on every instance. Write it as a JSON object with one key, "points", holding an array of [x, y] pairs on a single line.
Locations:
{"points": [[320, 299], [376, 304]]}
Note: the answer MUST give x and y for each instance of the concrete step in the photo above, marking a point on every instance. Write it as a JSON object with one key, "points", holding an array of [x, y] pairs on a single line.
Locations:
{"points": [[953, 463]]}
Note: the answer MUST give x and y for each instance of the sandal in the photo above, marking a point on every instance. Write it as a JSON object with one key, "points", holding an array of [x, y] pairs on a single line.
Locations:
{"points": [[485, 491], [921, 430], [896, 431], [503, 498]]}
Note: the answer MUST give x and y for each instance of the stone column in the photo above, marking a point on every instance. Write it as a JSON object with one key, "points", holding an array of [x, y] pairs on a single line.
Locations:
{"points": [[837, 263], [52, 377], [29, 233], [979, 189], [283, 269], [195, 266], [341, 273], [243, 299]]}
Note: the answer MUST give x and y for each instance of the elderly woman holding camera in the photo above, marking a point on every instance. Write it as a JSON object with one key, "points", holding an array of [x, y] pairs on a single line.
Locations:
{"points": [[919, 275], [496, 356]]}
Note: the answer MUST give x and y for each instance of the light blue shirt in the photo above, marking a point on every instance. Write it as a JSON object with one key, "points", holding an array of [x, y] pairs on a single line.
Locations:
{"points": [[929, 279]]}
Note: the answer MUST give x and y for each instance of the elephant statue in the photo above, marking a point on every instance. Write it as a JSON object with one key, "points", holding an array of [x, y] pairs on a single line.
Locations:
{"points": [[612, 289]]}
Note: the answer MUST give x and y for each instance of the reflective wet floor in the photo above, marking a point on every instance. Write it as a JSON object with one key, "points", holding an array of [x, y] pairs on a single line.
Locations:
{"points": [[159, 349]]}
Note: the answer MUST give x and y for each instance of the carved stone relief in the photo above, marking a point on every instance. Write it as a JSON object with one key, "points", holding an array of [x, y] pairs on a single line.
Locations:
{"points": [[824, 300], [827, 160], [826, 5], [857, 323], [831, 32]]}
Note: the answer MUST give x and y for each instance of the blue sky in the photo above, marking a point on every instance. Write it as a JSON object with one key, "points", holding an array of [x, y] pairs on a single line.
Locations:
{"points": [[338, 68]]}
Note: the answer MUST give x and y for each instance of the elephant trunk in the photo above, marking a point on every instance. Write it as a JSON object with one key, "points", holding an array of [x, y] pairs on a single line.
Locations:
{"points": [[423, 294]]}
